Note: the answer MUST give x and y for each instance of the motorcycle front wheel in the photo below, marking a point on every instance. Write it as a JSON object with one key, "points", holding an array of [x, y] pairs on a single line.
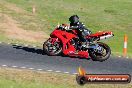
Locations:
{"points": [[104, 55], [52, 47]]}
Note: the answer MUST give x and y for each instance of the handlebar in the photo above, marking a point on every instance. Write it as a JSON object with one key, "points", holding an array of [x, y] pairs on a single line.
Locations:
{"points": [[67, 27], [61, 27]]}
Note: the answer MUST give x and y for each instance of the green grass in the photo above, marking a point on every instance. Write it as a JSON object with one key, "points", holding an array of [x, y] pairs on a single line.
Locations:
{"points": [[8, 83], [11, 83], [16, 78], [114, 15]]}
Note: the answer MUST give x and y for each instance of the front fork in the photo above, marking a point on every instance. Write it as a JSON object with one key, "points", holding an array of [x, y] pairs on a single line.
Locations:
{"points": [[96, 47]]}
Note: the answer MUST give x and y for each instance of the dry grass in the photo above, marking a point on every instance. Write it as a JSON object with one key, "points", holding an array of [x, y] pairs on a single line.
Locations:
{"points": [[13, 31], [13, 7], [41, 77], [57, 80]]}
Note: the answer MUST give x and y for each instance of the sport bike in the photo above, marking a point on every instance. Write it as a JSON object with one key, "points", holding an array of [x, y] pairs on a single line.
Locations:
{"points": [[67, 42]]}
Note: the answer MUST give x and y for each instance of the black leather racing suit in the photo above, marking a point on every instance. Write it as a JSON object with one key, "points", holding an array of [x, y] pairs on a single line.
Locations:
{"points": [[82, 31]]}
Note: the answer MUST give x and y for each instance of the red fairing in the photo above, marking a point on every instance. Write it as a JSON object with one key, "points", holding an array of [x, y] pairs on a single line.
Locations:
{"points": [[68, 49], [63, 37], [101, 33]]}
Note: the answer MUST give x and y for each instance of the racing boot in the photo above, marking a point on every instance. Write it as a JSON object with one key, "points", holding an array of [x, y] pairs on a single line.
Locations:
{"points": [[85, 44]]}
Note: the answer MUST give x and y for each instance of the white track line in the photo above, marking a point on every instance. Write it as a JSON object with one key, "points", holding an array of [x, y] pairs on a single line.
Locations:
{"points": [[31, 68], [66, 72], [14, 66], [4, 65], [119, 56], [8, 43], [16, 44], [75, 73], [26, 45], [49, 70], [22, 67], [39, 69], [34, 46], [0, 42], [57, 71]]}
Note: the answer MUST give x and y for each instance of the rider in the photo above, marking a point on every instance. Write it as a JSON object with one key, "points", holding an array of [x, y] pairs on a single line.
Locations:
{"points": [[82, 30]]}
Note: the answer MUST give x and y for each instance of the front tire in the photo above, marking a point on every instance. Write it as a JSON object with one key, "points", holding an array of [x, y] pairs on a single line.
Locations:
{"points": [[52, 49], [104, 56]]}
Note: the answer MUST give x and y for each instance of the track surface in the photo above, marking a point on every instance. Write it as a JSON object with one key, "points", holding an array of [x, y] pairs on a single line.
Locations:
{"points": [[29, 57]]}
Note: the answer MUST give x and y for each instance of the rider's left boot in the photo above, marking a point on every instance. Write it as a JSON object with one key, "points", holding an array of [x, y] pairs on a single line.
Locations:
{"points": [[85, 44]]}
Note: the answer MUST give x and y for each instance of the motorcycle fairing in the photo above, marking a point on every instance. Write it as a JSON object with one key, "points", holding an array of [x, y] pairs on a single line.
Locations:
{"points": [[68, 49], [63, 36]]}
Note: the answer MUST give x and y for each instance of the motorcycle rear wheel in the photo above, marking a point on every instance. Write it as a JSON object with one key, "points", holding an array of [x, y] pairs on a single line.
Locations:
{"points": [[52, 49], [97, 57]]}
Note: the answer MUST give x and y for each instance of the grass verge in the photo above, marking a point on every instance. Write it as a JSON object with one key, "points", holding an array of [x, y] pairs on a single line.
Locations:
{"points": [[18, 78]]}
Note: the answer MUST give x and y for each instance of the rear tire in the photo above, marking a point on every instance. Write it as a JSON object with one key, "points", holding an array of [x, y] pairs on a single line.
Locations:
{"points": [[46, 48], [102, 58]]}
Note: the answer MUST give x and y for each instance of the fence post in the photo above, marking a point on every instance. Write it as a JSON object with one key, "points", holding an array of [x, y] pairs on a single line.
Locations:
{"points": [[33, 9], [125, 46]]}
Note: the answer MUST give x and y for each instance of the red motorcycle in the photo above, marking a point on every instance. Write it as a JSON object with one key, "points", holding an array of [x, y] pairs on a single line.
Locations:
{"points": [[67, 42]]}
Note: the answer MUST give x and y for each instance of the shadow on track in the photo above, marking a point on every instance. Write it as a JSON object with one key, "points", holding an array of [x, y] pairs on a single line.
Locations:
{"points": [[29, 49], [62, 55], [40, 51]]}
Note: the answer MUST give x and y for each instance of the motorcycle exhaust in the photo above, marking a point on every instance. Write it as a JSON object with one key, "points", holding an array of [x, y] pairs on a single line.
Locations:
{"points": [[106, 36]]}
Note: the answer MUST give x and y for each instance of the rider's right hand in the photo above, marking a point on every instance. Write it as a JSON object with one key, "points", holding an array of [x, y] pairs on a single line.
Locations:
{"points": [[63, 27], [66, 27]]}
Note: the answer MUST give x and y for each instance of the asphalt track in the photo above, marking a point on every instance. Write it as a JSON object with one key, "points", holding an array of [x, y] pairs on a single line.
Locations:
{"points": [[28, 57]]}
